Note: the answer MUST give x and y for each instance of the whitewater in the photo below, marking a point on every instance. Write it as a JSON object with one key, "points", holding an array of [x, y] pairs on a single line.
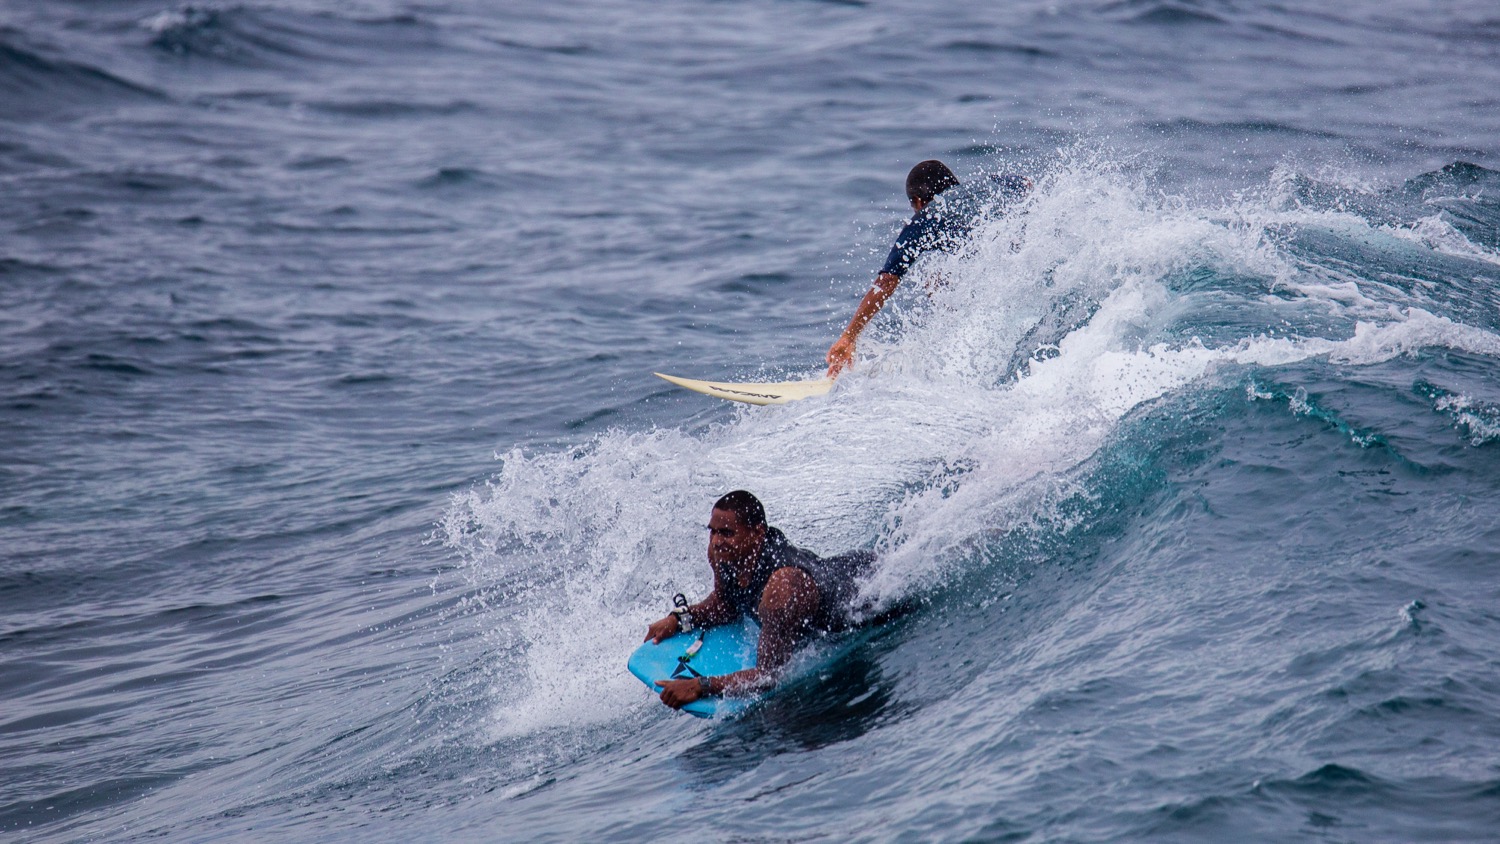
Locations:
{"points": [[335, 487]]}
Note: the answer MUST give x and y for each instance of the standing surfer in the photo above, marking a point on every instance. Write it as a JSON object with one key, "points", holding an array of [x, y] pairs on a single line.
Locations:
{"points": [[791, 592], [944, 213]]}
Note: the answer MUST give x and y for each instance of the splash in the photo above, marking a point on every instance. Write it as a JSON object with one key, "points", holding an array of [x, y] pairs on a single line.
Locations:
{"points": [[1435, 232], [971, 414], [1477, 420]]}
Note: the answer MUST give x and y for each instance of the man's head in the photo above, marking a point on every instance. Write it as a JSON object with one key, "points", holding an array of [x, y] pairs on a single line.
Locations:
{"points": [[927, 180], [736, 529]]}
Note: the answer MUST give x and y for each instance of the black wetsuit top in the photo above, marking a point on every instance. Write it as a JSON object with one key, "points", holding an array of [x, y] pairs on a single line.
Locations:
{"points": [[835, 578]]}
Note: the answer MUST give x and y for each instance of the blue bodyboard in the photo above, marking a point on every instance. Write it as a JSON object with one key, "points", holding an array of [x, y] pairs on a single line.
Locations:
{"points": [[726, 649]]}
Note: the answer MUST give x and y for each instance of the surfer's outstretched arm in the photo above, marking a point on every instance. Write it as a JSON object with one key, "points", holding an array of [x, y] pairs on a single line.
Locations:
{"points": [[841, 353]]}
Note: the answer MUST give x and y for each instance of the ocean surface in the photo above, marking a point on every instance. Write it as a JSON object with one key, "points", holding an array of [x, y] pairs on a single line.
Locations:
{"points": [[335, 487]]}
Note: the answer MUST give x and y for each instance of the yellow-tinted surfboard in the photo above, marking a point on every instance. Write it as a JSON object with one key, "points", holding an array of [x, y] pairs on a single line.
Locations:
{"points": [[780, 393]]}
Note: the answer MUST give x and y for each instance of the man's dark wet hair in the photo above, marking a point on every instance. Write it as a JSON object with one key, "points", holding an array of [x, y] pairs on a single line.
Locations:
{"points": [[928, 179], [744, 506]]}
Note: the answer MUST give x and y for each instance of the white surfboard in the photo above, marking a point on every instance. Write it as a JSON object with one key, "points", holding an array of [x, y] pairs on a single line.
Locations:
{"points": [[756, 393]]}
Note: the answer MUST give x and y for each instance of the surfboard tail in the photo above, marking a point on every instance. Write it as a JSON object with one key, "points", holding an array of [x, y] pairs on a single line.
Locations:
{"points": [[759, 393]]}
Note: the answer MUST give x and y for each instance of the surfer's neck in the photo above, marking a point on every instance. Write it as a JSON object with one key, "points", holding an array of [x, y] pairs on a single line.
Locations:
{"points": [[747, 572]]}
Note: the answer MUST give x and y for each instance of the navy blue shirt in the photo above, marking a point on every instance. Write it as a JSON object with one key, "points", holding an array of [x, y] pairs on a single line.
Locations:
{"points": [[948, 219]]}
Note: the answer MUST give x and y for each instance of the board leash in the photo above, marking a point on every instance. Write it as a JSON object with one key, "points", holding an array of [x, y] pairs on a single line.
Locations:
{"points": [[681, 604]]}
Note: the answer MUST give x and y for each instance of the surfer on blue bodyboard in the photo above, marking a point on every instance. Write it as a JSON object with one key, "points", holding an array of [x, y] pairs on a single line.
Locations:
{"points": [[792, 595]]}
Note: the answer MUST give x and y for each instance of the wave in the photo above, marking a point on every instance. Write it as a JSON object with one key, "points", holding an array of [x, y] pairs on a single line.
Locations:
{"points": [[1159, 13], [1478, 420], [1237, 128], [264, 37], [987, 414], [1464, 195], [33, 84], [379, 108]]}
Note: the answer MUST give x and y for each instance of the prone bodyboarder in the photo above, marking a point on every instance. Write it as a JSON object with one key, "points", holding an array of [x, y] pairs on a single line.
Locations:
{"points": [[792, 593]]}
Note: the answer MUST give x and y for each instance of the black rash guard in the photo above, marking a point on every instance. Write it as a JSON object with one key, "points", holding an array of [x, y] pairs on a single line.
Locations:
{"points": [[836, 579]]}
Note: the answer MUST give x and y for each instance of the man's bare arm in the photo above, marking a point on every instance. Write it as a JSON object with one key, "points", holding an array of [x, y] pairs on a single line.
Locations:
{"points": [[841, 353], [709, 612], [788, 607]]}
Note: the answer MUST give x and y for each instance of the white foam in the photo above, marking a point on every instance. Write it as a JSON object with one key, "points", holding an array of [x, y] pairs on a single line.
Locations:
{"points": [[937, 440], [1439, 235], [1479, 422]]}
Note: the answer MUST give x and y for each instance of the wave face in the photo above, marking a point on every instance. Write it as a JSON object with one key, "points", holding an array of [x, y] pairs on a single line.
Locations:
{"points": [[34, 84], [335, 489], [1139, 462]]}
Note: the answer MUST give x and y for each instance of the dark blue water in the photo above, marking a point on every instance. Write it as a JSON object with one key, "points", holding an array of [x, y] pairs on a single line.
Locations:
{"points": [[335, 487]]}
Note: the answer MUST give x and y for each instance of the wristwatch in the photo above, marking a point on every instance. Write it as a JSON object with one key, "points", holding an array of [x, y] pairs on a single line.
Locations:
{"points": [[705, 686]]}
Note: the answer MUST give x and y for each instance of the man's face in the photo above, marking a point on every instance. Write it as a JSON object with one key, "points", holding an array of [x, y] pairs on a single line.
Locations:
{"points": [[730, 542]]}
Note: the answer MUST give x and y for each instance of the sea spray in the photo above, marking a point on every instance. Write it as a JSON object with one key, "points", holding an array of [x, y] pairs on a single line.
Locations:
{"points": [[976, 410]]}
